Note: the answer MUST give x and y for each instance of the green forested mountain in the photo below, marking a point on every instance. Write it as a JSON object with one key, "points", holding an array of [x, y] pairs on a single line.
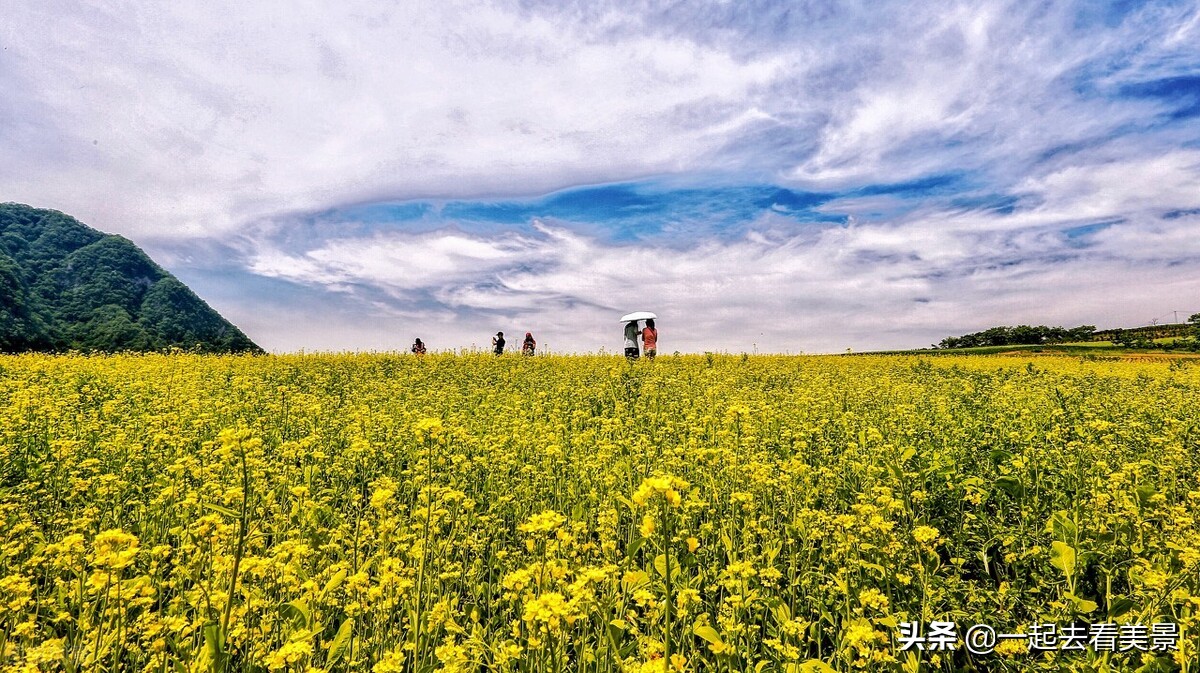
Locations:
{"points": [[64, 285]]}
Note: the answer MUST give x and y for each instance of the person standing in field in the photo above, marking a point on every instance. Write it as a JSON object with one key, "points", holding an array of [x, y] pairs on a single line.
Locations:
{"points": [[498, 343], [529, 345], [650, 339], [631, 340], [418, 348]]}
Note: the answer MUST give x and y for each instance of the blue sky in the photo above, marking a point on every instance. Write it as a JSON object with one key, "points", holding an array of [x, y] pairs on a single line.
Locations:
{"points": [[778, 176]]}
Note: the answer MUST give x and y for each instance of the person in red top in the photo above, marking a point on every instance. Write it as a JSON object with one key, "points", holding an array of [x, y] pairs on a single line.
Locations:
{"points": [[650, 339]]}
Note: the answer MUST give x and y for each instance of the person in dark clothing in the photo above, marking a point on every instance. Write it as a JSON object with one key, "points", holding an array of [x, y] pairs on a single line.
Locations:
{"points": [[418, 347], [498, 343], [631, 340]]}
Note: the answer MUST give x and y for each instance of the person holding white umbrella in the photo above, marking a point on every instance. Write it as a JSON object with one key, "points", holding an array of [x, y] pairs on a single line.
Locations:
{"points": [[631, 343], [631, 332]]}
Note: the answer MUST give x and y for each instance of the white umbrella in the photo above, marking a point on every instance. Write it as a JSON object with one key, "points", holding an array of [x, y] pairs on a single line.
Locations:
{"points": [[638, 315]]}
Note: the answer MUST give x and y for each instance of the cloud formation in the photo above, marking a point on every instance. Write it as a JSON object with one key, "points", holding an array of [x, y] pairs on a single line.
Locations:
{"points": [[787, 176], [212, 122]]}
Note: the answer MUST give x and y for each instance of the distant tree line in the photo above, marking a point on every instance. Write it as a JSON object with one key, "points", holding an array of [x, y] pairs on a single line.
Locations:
{"points": [[1185, 336], [1146, 333], [1020, 335]]}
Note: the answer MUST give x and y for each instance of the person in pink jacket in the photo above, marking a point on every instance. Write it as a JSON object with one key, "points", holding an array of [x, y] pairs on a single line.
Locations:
{"points": [[650, 339]]}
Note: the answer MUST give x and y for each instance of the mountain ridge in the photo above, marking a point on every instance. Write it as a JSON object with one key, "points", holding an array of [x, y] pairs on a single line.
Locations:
{"points": [[66, 286]]}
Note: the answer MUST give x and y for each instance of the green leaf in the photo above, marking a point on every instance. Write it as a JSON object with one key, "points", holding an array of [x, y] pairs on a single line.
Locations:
{"points": [[783, 613], [297, 611], [771, 550], [660, 565], [1000, 456], [815, 666], [1063, 528], [1062, 556], [635, 579], [1119, 607], [334, 582], [626, 501], [875, 567], [220, 510], [1010, 485], [827, 617], [1144, 493], [709, 634], [616, 634], [214, 644], [634, 546], [340, 641], [727, 542], [212, 639]]}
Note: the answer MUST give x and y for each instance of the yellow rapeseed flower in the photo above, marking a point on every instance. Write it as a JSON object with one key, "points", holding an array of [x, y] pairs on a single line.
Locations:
{"points": [[114, 549], [668, 487]]}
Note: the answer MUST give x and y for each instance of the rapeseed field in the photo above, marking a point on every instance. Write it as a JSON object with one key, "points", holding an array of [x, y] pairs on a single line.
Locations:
{"points": [[471, 513]]}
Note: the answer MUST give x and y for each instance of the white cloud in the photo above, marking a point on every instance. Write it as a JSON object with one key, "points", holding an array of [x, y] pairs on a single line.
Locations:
{"points": [[861, 286], [176, 120], [991, 88], [1104, 187]]}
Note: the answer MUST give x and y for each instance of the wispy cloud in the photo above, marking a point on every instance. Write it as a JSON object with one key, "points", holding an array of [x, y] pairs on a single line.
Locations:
{"points": [[772, 287], [212, 122]]}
